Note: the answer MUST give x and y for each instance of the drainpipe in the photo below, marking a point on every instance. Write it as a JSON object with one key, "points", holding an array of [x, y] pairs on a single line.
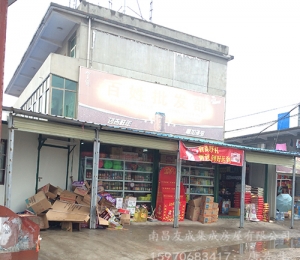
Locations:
{"points": [[3, 20], [37, 178], [88, 45], [9, 161]]}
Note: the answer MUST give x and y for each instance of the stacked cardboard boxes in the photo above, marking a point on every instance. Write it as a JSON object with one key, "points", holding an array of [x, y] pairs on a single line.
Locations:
{"points": [[193, 209], [166, 196], [203, 209]]}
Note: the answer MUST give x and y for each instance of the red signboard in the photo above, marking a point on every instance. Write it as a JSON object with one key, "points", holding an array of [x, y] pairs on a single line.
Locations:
{"points": [[118, 101], [212, 153]]}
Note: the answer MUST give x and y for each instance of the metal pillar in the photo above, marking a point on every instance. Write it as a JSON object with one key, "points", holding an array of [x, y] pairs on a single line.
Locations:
{"points": [[9, 162], [94, 190], [243, 183], [177, 191], [266, 184], [293, 193], [3, 20]]}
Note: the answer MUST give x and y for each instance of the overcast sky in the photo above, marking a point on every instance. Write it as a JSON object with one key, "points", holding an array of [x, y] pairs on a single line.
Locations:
{"points": [[261, 35]]}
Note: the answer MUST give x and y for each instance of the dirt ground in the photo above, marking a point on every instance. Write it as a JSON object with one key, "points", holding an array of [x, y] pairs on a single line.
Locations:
{"points": [[191, 240]]}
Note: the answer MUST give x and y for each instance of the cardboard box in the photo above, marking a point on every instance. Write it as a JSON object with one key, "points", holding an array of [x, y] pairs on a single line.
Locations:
{"points": [[195, 202], [79, 200], [234, 212], [205, 212], [206, 205], [50, 191], [204, 219], [44, 223], [38, 203], [102, 222], [64, 211], [117, 150], [216, 205], [215, 212], [214, 218], [68, 196], [105, 203], [80, 191], [119, 203], [130, 204], [87, 199], [59, 190], [192, 213], [125, 219], [207, 199], [40, 220], [165, 210]]}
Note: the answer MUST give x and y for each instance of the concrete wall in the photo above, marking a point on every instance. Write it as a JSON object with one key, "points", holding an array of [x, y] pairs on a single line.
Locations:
{"points": [[53, 168], [130, 22], [133, 48], [257, 175], [55, 64]]}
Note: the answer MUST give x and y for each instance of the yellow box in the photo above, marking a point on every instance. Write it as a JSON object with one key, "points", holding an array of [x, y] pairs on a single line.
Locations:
{"points": [[234, 212]]}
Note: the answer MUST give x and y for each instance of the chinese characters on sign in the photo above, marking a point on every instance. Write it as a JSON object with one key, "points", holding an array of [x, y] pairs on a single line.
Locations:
{"points": [[120, 122], [212, 153], [149, 106]]}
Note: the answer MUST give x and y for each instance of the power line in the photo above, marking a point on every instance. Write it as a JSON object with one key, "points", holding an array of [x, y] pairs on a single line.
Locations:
{"points": [[262, 124], [277, 121], [272, 109]]}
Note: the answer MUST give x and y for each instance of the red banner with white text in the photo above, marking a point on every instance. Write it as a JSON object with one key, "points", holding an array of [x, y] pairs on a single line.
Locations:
{"points": [[212, 153]]}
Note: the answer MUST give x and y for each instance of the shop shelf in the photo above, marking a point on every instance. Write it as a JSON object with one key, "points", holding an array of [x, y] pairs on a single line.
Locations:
{"points": [[190, 173], [121, 177], [199, 176], [201, 185], [137, 191], [138, 181], [202, 194]]}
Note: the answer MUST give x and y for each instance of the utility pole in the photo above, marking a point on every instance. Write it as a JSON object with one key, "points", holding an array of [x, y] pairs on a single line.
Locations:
{"points": [[3, 22], [151, 10]]}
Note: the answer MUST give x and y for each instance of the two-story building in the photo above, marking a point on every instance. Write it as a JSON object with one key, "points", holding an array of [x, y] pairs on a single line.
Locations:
{"points": [[92, 74]]}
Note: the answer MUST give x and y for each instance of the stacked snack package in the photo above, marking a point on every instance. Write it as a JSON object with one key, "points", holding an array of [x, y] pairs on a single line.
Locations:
{"points": [[258, 199], [266, 216], [237, 195]]}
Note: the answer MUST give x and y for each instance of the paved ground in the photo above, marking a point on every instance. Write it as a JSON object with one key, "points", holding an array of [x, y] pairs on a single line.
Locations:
{"points": [[192, 240]]}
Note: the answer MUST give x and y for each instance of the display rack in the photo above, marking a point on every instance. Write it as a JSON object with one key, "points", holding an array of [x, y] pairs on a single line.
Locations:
{"points": [[197, 180], [284, 180], [123, 178]]}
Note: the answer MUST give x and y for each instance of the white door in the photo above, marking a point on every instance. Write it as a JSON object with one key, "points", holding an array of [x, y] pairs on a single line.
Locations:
{"points": [[53, 167]]}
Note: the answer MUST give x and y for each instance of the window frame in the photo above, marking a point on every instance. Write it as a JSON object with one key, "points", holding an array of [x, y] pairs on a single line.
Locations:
{"points": [[72, 46], [64, 90], [2, 181]]}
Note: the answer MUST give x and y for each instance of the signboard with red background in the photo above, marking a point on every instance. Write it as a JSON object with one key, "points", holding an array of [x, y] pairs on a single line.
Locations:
{"points": [[118, 101], [212, 153]]}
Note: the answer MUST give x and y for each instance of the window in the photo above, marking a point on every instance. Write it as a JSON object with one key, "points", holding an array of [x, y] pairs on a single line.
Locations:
{"points": [[72, 47], [63, 97], [2, 160], [38, 101]]}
